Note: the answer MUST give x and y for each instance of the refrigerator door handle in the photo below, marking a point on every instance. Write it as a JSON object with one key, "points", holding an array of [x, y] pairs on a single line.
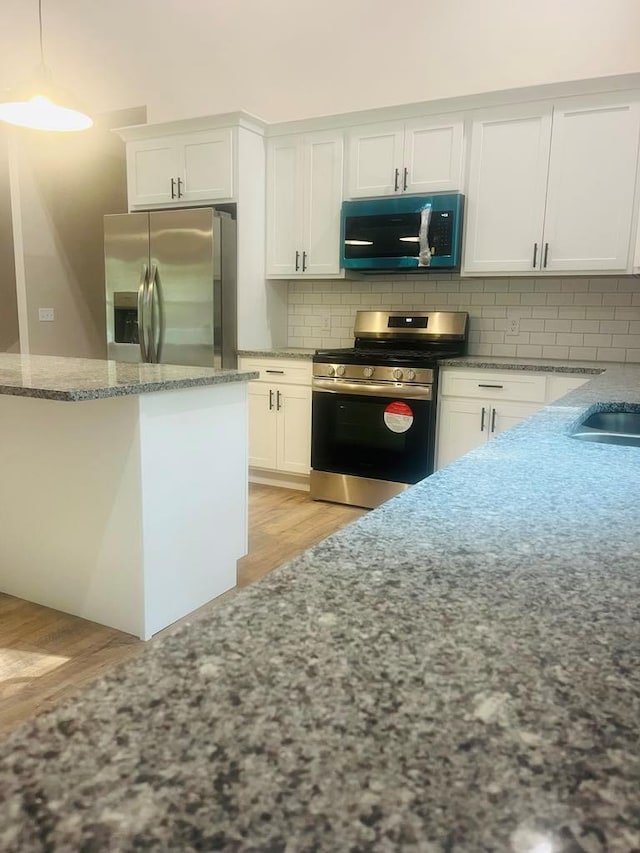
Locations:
{"points": [[142, 293], [154, 347]]}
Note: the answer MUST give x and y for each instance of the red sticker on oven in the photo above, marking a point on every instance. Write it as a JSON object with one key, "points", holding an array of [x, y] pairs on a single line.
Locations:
{"points": [[398, 416]]}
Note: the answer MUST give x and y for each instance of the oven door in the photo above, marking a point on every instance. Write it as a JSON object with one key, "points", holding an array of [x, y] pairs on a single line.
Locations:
{"points": [[378, 431]]}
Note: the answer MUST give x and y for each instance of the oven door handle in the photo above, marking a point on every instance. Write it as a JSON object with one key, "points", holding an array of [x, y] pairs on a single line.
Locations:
{"points": [[373, 389]]}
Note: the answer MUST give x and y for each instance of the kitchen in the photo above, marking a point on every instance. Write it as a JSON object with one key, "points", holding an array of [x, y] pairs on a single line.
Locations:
{"points": [[541, 302]]}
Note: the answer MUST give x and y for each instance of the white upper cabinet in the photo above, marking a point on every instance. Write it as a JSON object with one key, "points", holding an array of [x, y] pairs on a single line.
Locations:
{"points": [[304, 196], [551, 187], [592, 171], [415, 156], [507, 189], [181, 169]]}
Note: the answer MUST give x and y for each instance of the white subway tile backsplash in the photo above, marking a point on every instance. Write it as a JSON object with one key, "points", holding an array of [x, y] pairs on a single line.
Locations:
{"points": [[572, 313], [597, 340], [557, 325], [606, 354], [615, 327], [570, 339], [503, 349], [616, 298], [603, 285], [529, 351], [555, 352], [573, 285], [582, 353], [600, 313], [533, 298], [585, 326], [568, 318], [560, 298]]}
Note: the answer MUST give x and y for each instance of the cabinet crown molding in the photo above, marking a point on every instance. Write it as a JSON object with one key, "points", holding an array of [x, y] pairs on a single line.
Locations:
{"points": [[192, 125]]}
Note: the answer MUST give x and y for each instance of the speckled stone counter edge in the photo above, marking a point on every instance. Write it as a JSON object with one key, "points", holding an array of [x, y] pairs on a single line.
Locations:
{"points": [[75, 395], [485, 363], [303, 354]]}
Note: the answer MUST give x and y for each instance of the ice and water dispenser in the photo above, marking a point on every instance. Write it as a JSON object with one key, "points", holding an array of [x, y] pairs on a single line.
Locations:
{"points": [[125, 318]]}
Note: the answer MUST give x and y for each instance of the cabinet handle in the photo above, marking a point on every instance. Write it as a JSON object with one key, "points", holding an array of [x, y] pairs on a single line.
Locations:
{"points": [[406, 178], [546, 253], [304, 262], [270, 399], [535, 255], [179, 187], [297, 261], [480, 385], [173, 188], [493, 420], [278, 395], [482, 420], [396, 181], [281, 372]]}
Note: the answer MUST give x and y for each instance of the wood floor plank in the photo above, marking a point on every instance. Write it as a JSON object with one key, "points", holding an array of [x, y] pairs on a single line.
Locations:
{"points": [[46, 656]]}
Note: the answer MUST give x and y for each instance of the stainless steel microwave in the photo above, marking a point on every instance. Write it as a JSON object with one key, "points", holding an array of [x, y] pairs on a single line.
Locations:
{"points": [[411, 233]]}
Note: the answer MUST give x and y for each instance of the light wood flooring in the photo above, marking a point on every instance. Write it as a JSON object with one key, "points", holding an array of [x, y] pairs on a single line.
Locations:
{"points": [[46, 656]]}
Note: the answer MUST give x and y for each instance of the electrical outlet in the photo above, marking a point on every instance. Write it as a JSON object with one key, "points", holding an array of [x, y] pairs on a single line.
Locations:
{"points": [[45, 314], [325, 329], [514, 325]]}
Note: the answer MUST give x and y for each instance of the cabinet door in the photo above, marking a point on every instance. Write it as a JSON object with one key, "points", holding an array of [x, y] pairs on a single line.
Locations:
{"points": [[463, 426], [507, 190], [294, 429], [503, 415], [207, 169], [322, 202], [151, 164], [263, 423], [375, 160], [432, 156], [284, 206], [592, 174]]}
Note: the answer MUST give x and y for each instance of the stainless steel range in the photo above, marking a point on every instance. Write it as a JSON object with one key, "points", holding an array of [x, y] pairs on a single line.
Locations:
{"points": [[374, 405]]}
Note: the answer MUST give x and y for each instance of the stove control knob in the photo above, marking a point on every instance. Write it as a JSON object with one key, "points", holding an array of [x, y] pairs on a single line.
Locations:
{"points": [[397, 373], [411, 375], [331, 370], [368, 372], [340, 370]]}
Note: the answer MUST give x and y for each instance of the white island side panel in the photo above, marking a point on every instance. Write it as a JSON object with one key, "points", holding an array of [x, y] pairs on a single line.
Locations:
{"points": [[70, 507], [195, 493]]}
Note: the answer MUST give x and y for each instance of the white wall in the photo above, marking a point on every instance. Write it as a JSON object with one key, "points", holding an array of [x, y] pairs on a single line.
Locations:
{"points": [[287, 59]]}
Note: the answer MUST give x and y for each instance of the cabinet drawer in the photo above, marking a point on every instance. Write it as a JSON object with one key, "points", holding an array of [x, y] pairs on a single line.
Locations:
{"points": [[560, 384], [514, 385], [282, 371]]}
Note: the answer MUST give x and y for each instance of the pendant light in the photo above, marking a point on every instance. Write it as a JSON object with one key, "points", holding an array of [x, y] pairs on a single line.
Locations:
{"points": [[41, 105]]}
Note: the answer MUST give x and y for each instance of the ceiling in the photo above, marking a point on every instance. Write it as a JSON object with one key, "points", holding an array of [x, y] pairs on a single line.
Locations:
{"points": [[287, 59]]}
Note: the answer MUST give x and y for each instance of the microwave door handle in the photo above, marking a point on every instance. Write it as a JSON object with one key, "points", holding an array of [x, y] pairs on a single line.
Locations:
{"points": [[142, 295], [424, 252]]}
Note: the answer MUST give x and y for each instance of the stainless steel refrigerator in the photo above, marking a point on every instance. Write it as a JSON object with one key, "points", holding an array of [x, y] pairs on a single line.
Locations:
{"points": [[171, 287]]}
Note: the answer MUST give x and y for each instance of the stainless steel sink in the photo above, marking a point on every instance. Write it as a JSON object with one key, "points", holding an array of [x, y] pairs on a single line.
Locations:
{"points": [[611, 427]]}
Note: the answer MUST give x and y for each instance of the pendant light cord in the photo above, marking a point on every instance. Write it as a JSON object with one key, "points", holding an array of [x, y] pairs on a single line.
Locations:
{"points": [[41, 43]]}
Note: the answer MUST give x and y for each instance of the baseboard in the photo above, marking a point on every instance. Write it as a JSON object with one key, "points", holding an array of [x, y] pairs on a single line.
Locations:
{"points": [[277, 478]]}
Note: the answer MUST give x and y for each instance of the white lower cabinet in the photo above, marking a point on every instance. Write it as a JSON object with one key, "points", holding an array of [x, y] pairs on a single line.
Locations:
{"points": [[475, 405], [279, 420], [466, 424]]}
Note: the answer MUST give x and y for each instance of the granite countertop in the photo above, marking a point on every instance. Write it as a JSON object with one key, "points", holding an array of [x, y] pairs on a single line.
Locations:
{"points": [[74, 379], [483, 362], [543, 365], [457, 671], [278, 352]]}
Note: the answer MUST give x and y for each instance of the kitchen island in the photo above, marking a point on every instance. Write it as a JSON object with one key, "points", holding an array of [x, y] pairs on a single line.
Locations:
{"points": [[123, 494], [459, 670]]}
